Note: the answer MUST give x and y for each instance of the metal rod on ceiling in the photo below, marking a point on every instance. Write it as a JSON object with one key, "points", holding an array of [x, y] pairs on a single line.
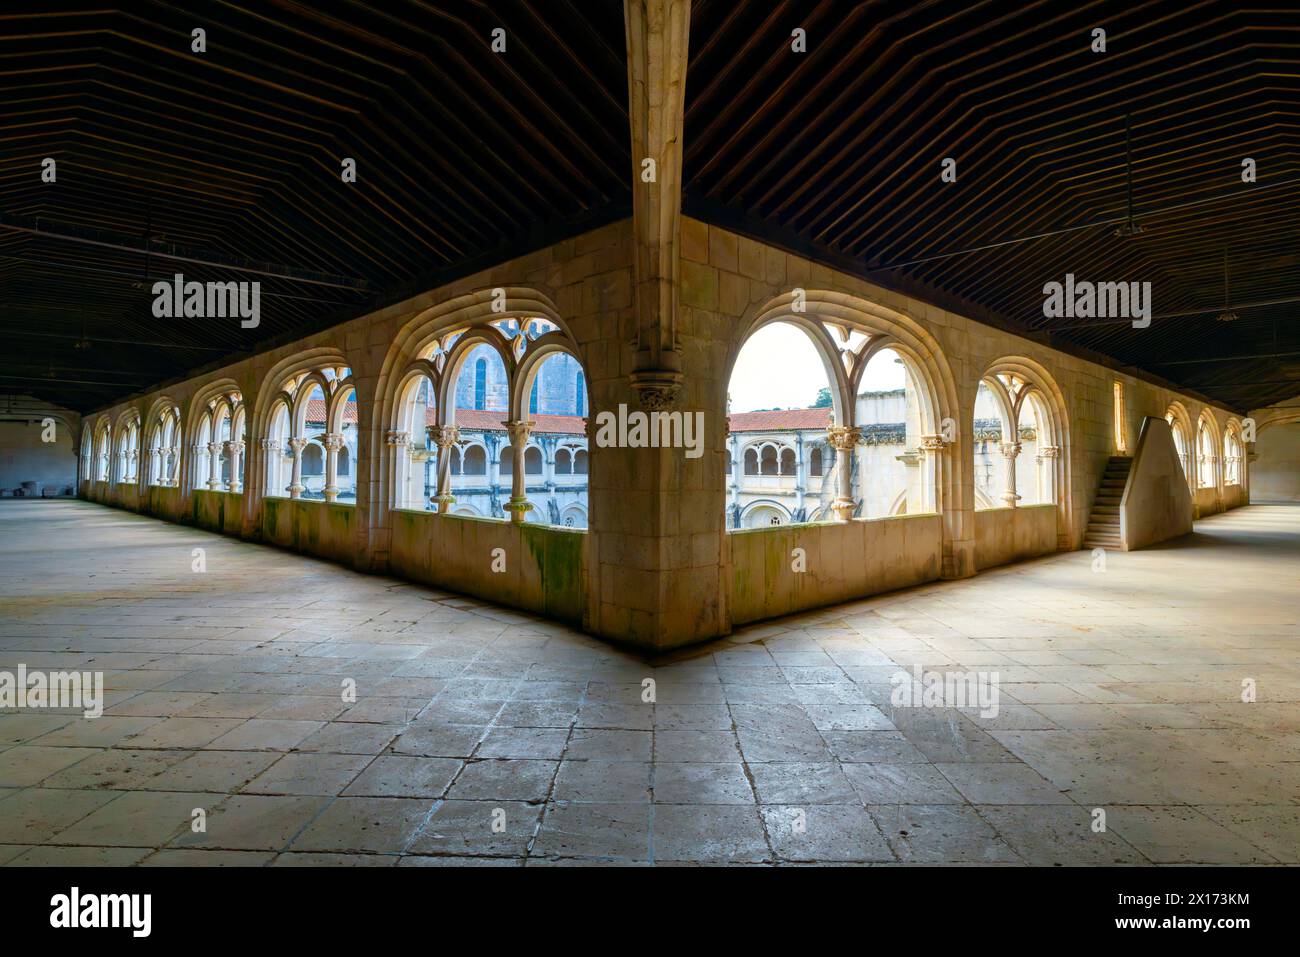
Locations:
{"points": [[1066, 230], [124, 342], [1169, 315], [14, 224]]}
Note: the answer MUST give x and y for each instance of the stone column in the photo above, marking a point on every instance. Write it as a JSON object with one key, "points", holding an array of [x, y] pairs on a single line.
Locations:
{"points": [[333, 442], [518, 504], [399, 444], [658, 49], [418, 457], [295, 479], [214, 465], [930, 449], [444, 437], [270, 448], [800, 478], [1046, 459], [132, 461], [170, 463], [235, 453], [1009, 451], [844, 439]]}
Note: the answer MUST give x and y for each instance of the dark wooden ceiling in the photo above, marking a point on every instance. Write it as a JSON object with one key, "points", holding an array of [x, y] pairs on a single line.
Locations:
{"points": [[837, 152], [466, 157]]}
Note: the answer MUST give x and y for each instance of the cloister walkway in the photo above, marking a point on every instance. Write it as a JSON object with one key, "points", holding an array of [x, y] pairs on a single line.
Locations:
{"points": [[482, 735]]}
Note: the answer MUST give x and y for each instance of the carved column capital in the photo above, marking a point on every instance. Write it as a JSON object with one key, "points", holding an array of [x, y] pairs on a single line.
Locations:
{"points": [[656, 389], [844, 438], [444, 436], [333, 441], [397, 438], [1010, 449], [518, 430]]}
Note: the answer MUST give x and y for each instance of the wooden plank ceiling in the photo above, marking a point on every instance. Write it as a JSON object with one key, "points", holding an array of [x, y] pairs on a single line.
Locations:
{"points": [[466, 157], [837, 152]]}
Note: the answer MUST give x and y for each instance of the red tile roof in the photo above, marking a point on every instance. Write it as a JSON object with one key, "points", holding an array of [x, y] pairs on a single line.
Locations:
{"points": [[467, 419], [316, 411], [778, 419], [480, 419]]}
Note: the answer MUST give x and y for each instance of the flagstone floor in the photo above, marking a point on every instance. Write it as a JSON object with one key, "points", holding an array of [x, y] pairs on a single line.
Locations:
{"points": [[479, 735]]}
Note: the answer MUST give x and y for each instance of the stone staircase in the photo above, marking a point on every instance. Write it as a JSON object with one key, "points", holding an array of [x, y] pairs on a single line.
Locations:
{"points": [[1103, 523]]}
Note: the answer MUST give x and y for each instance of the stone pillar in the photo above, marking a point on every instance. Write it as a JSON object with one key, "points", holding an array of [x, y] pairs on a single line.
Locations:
{"points": [[657, 53], [333, 442], [235, 453], [444, 437], [214, 465], [737, 471], [1009, 451], [518, 504], [399, 444], [295, 478], [931, 448], [170, 463], [844, 439], [270, 448], [1046, 459], [800, 478]]}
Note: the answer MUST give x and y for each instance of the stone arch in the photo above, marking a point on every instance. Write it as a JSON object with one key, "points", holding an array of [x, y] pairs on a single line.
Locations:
{"points": [[573, 516], [162, 431], [126, 432], [1035, 379], [1209, 452], [948, 448], [757, 514], [1233, 469], [289, 384], [541, 349], [216, 401], [1180, 423], [102, 449], [443, 335]]}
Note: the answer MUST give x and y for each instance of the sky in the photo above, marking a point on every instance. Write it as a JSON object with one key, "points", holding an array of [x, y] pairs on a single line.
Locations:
{"points": [[778, 368]]}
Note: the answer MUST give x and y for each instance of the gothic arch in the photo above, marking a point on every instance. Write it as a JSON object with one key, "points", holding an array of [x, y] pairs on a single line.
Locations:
{"points": [[438, 339], [1031, 378], [1180, 423], [847, 330]]}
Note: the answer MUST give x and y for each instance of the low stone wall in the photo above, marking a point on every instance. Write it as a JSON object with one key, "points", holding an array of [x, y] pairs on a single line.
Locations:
{"points": [[165, 502], [540, 568], [217, 511], [1005, 535], [316, 528], [841, 560], [1207, 502]]}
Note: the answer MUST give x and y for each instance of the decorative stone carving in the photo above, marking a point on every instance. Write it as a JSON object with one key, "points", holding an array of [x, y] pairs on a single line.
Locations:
{"points": [[518, 505], [333, 442], [296, 487]]}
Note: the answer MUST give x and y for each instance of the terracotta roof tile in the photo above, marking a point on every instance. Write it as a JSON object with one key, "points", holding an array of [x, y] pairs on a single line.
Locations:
{"points": [[778, 419]]}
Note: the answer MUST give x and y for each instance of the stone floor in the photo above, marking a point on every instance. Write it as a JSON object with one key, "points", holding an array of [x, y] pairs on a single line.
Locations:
{"points": [[483, 736]]}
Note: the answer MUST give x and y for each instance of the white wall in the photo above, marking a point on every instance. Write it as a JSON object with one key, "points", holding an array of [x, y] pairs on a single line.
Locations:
{"points": [[1275, 472], [25, 458]]}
